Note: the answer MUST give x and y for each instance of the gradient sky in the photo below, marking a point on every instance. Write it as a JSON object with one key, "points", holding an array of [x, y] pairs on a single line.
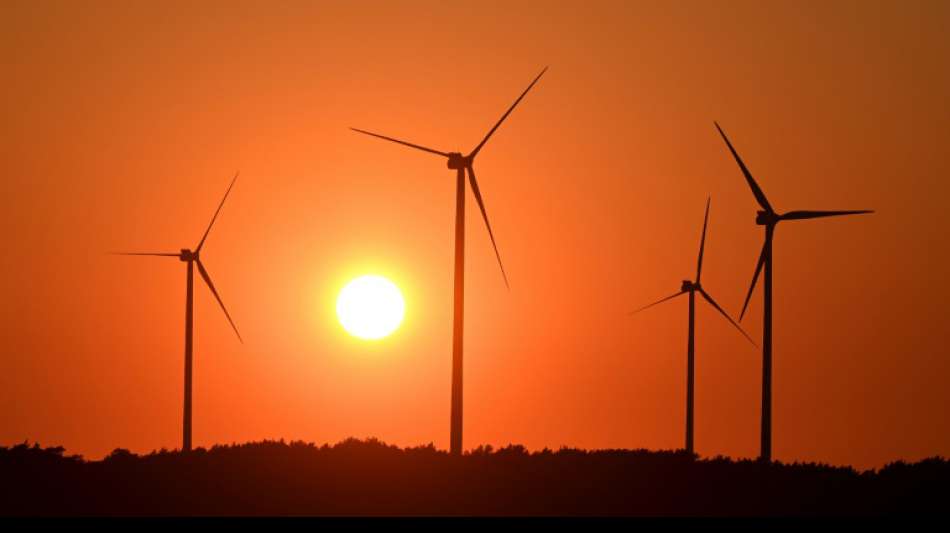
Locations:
{"points": [[123, 122]]}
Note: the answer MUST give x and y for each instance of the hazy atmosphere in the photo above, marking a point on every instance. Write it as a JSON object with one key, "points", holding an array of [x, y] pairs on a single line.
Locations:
{"points": [[124, 122]]}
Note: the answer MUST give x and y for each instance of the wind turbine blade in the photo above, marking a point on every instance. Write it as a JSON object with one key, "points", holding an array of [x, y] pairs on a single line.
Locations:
{"points": [[656, 303], [205, 236], [702, 243], [160, 254], [503, 117], [759, 195], [481, 205], [804, 215], [729, 318], [404, 143], [755, 277], [207, 278]]}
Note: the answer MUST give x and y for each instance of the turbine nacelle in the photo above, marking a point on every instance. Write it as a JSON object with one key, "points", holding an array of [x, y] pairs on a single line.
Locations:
{"points": [[689, 286], [458, 161], [187, 255], [766, 218]]}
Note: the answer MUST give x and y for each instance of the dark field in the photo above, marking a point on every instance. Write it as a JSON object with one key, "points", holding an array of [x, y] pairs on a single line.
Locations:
{"points": [[370, 478]]}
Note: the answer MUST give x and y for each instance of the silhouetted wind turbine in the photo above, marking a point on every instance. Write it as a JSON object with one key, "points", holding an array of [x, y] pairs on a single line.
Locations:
{"points": [[692, 287], [192, 258], [769, 218], [460, 163]]}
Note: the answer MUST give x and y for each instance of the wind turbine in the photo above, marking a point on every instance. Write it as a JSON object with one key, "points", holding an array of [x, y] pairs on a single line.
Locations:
{"points": [[691, 288], [193, 260], [460, 163], [768, 218]]}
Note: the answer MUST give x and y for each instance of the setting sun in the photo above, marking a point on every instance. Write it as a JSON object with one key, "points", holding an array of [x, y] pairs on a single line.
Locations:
{"points": [[370, 307]]}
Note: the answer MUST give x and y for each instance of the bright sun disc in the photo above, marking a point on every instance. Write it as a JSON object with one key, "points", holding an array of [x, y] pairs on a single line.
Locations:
{"points": [[370, 307]]}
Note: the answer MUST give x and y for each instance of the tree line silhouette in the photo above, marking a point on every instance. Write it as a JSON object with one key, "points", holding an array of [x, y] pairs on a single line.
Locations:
{"points": [[369, 477]]}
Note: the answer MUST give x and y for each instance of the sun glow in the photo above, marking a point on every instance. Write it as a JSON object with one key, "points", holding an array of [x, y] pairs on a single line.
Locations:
{"points": [[370, 307]]}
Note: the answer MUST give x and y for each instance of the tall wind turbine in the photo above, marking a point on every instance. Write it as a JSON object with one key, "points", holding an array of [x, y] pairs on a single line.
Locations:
{"points": [[769, 218], [691, 288], [460, 163], [193, 260]]}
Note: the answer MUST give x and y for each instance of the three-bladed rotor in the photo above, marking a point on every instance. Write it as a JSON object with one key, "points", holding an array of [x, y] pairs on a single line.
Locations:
{"points": [[462, 163], [690, 286], [188, 256], [769, 218]]}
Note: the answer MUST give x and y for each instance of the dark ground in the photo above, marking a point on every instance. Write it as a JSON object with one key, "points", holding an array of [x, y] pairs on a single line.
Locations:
{"points": [[370, 478]]}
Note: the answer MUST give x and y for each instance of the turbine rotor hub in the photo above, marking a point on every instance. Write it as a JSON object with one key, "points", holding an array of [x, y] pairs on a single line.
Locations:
{"points": [[766, 218], [457, 161], [187, 255], [689, 286]]}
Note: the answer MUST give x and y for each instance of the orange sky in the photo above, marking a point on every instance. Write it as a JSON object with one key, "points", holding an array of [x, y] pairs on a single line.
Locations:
{"points": [[123, 122]]}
